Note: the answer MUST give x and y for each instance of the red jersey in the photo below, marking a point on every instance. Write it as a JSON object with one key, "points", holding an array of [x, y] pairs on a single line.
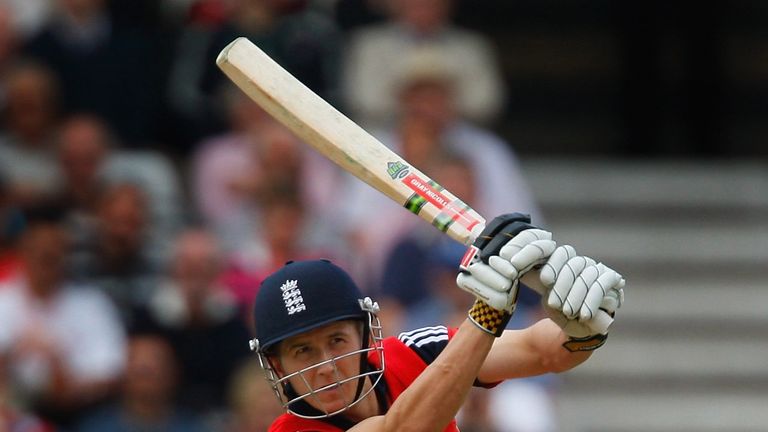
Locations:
{"points": [[405, 357]]}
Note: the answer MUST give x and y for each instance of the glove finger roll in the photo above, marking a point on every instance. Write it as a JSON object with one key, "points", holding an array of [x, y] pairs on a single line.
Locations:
{"points": [[565, 280], [532, 254], [521, 240], [600, 323], [552, 268], [597, 292], [490, 277], [579, 291], [503, 266], [494, 299]]}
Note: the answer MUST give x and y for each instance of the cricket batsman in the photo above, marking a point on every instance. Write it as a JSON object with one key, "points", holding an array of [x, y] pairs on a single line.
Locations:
{"points": [[320, 341]]}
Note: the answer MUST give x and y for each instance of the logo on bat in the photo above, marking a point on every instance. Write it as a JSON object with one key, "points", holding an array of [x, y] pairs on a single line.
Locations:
{"points": [[397, 170]]}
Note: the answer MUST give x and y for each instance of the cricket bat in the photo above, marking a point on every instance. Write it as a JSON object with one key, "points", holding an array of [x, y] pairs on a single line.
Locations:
{"points": [[341, 140]]}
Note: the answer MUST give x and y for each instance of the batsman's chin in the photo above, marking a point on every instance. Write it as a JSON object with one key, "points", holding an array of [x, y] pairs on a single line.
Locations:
{"points": [[330, 399]]}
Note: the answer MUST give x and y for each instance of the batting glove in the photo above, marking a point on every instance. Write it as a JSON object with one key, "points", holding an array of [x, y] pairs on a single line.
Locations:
{"points": [[507, 249], [582, 298]]}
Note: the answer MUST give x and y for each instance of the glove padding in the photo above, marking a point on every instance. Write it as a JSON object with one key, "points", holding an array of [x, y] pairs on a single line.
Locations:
{"points": [[583, 295], [496, 282]]}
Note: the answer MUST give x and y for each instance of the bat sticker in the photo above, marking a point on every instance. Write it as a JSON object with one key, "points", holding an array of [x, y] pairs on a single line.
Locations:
{"points": [[455, 211], [469, 257], [427, 189], [397, 170]]}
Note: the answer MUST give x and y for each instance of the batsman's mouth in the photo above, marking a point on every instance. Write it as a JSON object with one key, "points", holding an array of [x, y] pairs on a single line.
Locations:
{"points": [[330, 387]]}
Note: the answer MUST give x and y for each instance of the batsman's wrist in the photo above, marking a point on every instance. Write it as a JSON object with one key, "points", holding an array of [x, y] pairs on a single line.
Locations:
{"points": [[488, 319]]}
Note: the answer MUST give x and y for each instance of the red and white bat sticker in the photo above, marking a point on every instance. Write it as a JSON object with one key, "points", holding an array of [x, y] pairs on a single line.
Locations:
{"points": [[457, 211], [453, 209], [426, 190], [468, 257]]}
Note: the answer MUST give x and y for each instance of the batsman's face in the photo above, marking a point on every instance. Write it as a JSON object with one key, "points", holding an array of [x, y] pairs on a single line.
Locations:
{"points": [[315, 347]]}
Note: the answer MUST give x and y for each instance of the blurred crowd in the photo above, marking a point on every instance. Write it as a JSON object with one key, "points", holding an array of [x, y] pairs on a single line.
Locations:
{"points": [[143, 198]]}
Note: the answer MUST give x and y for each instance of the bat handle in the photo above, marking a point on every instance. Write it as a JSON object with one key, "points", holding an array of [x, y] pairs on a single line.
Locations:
{"points": [[532, 281]]}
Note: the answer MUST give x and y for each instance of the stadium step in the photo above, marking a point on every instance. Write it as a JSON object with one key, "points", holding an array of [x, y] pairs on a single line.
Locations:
{"points": [[688, 350]]}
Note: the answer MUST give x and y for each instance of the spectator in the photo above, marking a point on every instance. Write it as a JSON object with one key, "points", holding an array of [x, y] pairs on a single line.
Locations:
{"points": [[284, 236], [252, 400], [222, 161], [63, 343], [146, 401], [105, 68], [303, 40], [293, 32], [26, 148], [201, 321], [377, 55], [82, 148], [114, 256], [89, 160], [194, 112], [231, 173]]}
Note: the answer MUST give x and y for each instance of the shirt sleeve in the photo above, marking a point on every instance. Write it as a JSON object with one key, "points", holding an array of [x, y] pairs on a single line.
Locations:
{"points": [[427, 342]]}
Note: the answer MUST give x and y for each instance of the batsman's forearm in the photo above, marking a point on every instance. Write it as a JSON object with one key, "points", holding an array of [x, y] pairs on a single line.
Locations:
{"points": [[432, 401], [533, 351]]}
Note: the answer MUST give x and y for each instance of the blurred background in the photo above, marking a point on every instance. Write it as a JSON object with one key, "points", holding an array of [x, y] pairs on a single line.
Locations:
{"points": [[143, 198]]}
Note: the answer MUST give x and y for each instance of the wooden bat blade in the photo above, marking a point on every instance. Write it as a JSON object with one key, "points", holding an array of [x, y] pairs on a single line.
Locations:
{"points": [[341, 140]]}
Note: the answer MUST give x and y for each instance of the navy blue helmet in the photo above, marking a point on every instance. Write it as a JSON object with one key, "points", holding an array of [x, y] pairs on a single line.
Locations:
{"points": [[303, 296]]}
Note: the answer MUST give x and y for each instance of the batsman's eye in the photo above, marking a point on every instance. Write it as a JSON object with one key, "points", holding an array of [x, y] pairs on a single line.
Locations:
{"points": [[302, 351]]}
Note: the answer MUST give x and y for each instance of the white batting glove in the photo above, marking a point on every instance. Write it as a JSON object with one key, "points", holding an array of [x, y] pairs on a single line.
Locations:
{"points": [[582, 298], [496, 283]]}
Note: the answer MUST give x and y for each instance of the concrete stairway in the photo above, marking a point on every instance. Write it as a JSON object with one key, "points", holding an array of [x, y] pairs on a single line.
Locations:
{"points": [[689, 351]]}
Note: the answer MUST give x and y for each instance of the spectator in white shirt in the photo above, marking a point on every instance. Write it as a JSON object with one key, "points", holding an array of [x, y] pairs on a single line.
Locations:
{"points": [[64, 345]]}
